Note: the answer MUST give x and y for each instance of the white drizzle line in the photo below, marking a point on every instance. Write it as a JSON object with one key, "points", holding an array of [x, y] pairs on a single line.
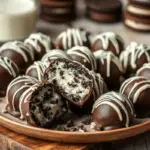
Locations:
{"points": [[144, 67], [108, 37], [135, 51], [84, 52], [54, 54], [39, 67], [109, 57], [9, 65], [71, 36], [39, 37], [140, 84], [18, 47], [109, 99]]}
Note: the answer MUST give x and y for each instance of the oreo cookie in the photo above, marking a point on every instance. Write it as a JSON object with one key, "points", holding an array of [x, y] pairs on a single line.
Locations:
{"points": [[104, 11], [137, 15], [57, 11]]}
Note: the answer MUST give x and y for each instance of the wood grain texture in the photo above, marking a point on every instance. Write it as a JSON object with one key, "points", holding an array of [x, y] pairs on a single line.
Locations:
{"points": [[14, 141]]}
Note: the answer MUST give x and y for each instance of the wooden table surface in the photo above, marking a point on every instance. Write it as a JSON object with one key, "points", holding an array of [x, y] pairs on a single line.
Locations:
{"points": [[13, 141]]}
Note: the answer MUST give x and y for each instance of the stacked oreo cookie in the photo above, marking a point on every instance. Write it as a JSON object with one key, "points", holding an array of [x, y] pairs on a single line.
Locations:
{"points": [[137, 15], [57, 11], [104, 11]]}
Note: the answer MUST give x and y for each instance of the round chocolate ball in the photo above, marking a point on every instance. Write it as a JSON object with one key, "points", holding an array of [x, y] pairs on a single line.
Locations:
{"points": [[108, 41], [37, 70], [84, 56], [14, 94], [112, 111], [134, 57], [39, 43], [17, 52], [54, 54], [110, 68], [144, 71], [8, 71], [72, 37], [137, 89]]}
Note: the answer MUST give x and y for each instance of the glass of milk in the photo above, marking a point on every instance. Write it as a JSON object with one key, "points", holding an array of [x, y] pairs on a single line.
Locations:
{"points": [[18, 19]]}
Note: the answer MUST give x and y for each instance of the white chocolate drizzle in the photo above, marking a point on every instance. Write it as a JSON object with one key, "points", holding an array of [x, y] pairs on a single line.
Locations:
{"points": [[85, 53], [108, 37], [10, 66], [72, 37], [109, 57], [34, 40], [18, 47], [118, 102], [137, 86], [134, 52], [54, 54], [143, 68], [26, 83]]}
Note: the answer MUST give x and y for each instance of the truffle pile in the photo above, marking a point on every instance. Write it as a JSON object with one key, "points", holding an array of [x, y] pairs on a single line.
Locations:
{"points": [[76, 77]]}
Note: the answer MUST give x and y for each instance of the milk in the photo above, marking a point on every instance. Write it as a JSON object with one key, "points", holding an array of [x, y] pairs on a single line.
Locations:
{"points": [[17, 19]]}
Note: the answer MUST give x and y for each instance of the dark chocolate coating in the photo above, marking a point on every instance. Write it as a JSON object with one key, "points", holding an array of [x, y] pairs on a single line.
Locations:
{"points": [[112, 111], [72, 79], [140, 88], [134, 57], [84, 56], [39, 44], [37, 70], [17, 52], [108, 41], [14, 92], [110, 68], [8, 71], [73, 37]]}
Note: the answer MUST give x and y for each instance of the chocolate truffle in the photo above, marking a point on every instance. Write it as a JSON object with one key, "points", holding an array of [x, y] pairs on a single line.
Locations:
{"points": [[72, 79], [42, 105], [84, 56], [137, 89], [37, 70], [110, 68], [144, 71], [112, 111], [18, 53], [99, 88], [14, 94], [39, 44], [54, 54], [108, 41], [134, 57], [8, 71], [72, 37]]}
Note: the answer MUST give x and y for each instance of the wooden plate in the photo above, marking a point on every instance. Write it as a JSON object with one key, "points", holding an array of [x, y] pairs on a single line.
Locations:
{"points": [[70, 137]]}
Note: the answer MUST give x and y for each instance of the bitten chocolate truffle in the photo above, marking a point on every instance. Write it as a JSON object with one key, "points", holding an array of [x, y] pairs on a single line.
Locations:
{"points": [[17, 52], [112, 111], [8, 71], [134, 57], [137, 89], [37, 70], [108, 41], [84, 56], [42, 105], [99, 88], [54, 54], [39, 44], [72, 79], [14, 94], [72, 37], [110, 67], [144, 71]]}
